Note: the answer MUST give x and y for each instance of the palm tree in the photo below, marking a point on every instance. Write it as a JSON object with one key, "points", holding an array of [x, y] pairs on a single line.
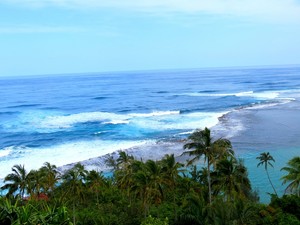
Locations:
{"points": [[94, 181], [231, 178], [125, 169], [124, 160], [74, 180], [156, 181], [35, 183], [202, 145], [18, 181], [170, 168], [141, 187], [148, 184], [50, 176], [265, 159], [193, 210], [245, 212], [293, 175]]}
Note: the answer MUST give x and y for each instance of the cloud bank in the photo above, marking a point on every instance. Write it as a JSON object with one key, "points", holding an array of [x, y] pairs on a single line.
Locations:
{"points": [[272, 10]]}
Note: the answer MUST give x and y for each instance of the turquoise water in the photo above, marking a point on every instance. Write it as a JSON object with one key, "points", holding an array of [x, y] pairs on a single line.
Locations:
{"points": [[68, 118], [259, 177], [274, 129]]}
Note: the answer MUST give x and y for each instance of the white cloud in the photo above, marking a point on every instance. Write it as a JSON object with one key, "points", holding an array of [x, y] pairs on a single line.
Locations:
{"points": [[272, 10]]}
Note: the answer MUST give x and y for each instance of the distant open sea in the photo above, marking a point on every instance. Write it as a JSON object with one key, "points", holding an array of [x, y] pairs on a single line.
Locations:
{"points": [[63, 119]]}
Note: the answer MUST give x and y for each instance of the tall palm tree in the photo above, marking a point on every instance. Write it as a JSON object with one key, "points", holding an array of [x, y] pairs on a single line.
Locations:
{"points": [[17, 181], [170, 169], [74, 181], [94, 181], [154, 172], [126, 165], [148, 184], [293, 175], [265, 159], [202, 145]]}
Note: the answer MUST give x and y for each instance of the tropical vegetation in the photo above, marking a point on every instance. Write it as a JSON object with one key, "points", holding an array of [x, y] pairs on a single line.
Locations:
{"points": [[212, 188]]}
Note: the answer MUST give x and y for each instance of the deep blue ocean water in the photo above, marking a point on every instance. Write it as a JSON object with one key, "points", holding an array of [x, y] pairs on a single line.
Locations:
{"points": [[68, 118]]}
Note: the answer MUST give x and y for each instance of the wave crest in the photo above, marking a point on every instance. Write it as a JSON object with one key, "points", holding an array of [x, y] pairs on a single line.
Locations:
{"points": [[251, 94]]}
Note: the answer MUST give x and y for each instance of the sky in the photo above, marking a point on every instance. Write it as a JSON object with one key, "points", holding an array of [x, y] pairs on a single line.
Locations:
{"points": [[80, 36]]}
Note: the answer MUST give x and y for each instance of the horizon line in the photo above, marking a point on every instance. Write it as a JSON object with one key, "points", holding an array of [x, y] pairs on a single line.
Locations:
{"points": [[150, 70]]}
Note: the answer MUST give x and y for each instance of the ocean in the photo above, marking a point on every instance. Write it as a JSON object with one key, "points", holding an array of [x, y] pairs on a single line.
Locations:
{"points": [[63, 119]]}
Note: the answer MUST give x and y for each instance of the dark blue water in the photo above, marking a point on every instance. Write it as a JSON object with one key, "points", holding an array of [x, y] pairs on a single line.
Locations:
{"points": [[68, 118]]}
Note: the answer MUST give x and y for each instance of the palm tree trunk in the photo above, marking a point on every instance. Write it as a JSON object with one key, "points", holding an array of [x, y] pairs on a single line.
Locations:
{"points": [[209, 181], [174, 202], [74, 212], [271, 182]]}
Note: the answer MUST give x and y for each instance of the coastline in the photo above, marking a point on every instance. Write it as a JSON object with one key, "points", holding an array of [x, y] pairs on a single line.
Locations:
{"points": [[236, 125], [145, 152], [274, 129], [252, 130]]}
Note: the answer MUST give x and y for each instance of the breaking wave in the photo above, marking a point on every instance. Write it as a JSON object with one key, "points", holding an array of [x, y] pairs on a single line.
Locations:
{"points": [[61, 154], [252, 94]]}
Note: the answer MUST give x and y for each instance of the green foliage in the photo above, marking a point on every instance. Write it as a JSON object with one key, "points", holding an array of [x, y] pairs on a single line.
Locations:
{"points": [[284, 219], [293, 176], [155, 221], [32, 213], [149, 193], [231, 179], [17, 181], [201, 144], [288, 204]]}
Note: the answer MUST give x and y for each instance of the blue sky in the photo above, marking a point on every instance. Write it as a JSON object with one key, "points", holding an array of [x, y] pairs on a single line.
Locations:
{"points": [[77, 36]]}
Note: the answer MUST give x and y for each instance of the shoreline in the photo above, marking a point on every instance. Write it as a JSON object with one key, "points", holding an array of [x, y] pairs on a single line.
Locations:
{"points": [[234, 125], [251, 130], [145, 152], [274, 123]]}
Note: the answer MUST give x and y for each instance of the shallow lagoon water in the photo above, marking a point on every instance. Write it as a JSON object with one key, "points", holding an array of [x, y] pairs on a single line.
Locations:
{"points": [[273, 129]]}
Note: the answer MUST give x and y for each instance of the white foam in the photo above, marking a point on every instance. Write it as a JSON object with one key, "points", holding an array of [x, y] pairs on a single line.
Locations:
{"points": [[154, 113], [258, 95], [117, 122], [62, 122], [290, 94], [69, 120], [229, 129], [33, 158], [186, 133], [188, 121], [270, 104], [5, 151], [265, 95], [164, 120]]}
